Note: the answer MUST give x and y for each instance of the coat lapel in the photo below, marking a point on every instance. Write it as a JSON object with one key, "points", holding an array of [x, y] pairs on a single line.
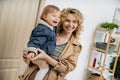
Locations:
{"points": [[69, 47]]}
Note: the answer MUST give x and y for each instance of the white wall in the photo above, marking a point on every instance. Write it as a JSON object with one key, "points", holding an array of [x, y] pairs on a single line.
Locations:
{"points": [[94, 11]]}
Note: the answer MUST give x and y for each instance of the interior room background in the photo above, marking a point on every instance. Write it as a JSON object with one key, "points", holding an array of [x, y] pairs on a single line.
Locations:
{"points": [[18, 18]]}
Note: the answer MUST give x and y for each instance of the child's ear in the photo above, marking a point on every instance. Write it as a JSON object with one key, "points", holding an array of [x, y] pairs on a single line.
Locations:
{"points": [[44, 17]]}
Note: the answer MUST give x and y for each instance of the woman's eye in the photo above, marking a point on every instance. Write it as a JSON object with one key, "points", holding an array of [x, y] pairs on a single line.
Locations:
{"points": [[67, 20], [75, 21]]}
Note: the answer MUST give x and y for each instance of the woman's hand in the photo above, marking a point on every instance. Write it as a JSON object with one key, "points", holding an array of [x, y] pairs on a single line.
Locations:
{"points": [[41, 55], [40, 59], [44, 56]]}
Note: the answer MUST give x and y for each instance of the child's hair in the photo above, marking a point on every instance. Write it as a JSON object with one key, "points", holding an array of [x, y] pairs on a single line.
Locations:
{"points": [[49, 9]]}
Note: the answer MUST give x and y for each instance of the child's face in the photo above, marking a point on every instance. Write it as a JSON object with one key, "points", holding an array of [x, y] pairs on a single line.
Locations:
{"points": [[53, 18]]}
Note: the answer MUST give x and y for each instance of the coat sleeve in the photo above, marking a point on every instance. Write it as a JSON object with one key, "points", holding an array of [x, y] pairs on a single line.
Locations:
{"points": [[68, 64]]}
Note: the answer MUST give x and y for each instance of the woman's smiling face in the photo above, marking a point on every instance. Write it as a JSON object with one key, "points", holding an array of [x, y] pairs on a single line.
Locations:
{"points": [[70, 24]]}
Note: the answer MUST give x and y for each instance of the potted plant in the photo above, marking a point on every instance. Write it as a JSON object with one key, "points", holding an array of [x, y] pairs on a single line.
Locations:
{"points": [[117, 70], [108, 25]]}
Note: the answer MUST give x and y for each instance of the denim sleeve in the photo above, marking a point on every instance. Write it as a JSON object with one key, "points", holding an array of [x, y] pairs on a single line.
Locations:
{"points": [[38, 37]]}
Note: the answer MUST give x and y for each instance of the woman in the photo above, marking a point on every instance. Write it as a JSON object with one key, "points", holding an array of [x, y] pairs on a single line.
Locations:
{"points": [[64, 58]]}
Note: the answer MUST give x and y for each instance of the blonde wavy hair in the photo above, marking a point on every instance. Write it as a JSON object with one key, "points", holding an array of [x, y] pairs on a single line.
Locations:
{"points": [[79, 17]]}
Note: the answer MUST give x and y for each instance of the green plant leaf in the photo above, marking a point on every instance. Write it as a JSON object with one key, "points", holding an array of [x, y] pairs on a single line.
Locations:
{"points": [[108, 25]]}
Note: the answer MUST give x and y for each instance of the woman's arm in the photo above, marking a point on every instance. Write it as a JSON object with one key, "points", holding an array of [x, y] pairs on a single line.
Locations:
{"points": [[62, 66], [46, 57]]}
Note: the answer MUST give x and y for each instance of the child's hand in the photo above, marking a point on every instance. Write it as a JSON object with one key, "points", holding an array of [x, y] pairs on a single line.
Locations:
{"points": [[30, 56]]}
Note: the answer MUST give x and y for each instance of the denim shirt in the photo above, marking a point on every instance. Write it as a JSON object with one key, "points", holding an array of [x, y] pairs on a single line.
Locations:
{"points": [[44, 38]]}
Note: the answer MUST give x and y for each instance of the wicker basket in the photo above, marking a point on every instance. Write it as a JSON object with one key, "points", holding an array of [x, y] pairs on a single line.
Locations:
{"points": [[103, 45]]}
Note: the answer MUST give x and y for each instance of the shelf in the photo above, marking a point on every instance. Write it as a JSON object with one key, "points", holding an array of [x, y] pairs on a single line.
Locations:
{"points": [[99, 50], [104, 52], [110, 70], [106, 72], [107, 49], [94, 69], [113, 55], [104, 30], [118, 33]]}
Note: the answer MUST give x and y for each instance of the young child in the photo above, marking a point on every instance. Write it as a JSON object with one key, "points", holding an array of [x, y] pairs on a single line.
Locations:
{"points": [[44, 37]]}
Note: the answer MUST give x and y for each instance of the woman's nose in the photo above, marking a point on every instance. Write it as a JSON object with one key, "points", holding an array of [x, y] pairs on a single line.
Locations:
{"points": [[71, 24]]}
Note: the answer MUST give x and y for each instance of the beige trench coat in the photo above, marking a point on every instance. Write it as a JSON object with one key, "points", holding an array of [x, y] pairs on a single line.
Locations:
{"points": [[67, 62]]}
